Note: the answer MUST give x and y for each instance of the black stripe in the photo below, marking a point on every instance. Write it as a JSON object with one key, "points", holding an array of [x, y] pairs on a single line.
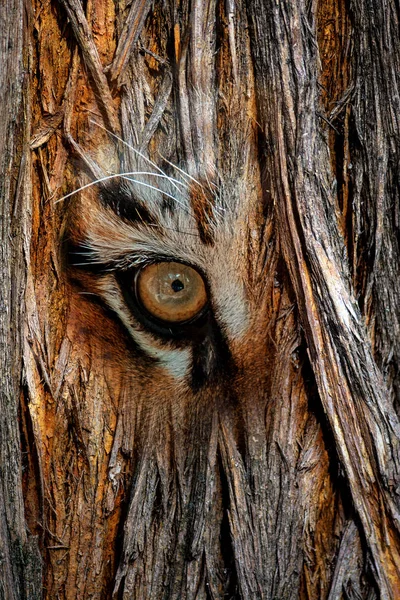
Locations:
{"points": [[79, 256], [118, 196], [202, 206], [212, 359]]}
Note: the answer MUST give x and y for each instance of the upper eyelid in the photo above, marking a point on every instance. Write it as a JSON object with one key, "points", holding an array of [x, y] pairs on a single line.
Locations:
{"points": [[124, 263], [134, 261], [133, 245], [139, 262]]}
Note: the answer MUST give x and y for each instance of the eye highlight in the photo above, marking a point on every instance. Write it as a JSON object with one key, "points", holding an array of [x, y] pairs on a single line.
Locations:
{"points": [[171, 292]]}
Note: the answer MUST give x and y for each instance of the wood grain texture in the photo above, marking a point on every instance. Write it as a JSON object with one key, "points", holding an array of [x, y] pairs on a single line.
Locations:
{"points": [[20, 570], [354, 396], [282, 480]]}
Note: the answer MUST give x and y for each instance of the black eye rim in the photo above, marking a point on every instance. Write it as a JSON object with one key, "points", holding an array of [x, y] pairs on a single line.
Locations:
{"points": [[194, 327]]}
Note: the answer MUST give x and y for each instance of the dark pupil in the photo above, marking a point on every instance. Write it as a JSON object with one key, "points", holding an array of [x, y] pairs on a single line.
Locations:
{"points": [[177, 285]]}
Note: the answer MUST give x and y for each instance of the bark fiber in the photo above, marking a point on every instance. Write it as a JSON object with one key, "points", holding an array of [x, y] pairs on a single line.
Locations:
{"points": [[296, 493]]}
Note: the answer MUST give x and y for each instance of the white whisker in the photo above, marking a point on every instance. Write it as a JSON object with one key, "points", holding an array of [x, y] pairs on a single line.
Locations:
{"points": [[153, 164], [181, 171], [123, 176], [153, 187], [211, 184]]}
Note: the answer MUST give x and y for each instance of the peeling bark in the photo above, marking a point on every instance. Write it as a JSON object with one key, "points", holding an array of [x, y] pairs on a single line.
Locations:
{"points": [[352, 390], [20, 570]]}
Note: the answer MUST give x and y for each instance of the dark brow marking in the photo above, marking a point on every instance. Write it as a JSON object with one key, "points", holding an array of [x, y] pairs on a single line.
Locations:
{"points": [[202, 207], [120, 198]]}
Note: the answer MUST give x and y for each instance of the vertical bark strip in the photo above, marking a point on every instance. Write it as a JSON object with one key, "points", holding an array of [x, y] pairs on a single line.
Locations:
{"points": [[20, 564], [374, 145], [351, 388]]}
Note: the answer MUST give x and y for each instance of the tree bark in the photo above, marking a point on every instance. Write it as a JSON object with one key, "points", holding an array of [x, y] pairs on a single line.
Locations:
{"points": [[292, 489], [20, 571]]}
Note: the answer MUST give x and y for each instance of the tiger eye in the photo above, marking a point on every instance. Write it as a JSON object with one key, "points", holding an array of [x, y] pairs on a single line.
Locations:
{"points": [[171, 291]]}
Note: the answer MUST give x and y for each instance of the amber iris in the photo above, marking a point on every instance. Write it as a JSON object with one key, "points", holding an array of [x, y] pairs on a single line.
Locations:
{"points": [[171, 291]]}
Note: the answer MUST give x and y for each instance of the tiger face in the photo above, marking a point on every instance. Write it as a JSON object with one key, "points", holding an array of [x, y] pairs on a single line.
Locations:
{"points": [[184, 273]]}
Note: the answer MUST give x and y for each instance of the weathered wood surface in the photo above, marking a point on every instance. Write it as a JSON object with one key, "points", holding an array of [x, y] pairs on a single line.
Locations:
{"points": [[354, 396], [20, 563], [293, 106]]}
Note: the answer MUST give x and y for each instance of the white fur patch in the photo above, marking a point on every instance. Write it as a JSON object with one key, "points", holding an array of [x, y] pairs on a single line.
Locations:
{"points": [[232, 309], [176, 361]]}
